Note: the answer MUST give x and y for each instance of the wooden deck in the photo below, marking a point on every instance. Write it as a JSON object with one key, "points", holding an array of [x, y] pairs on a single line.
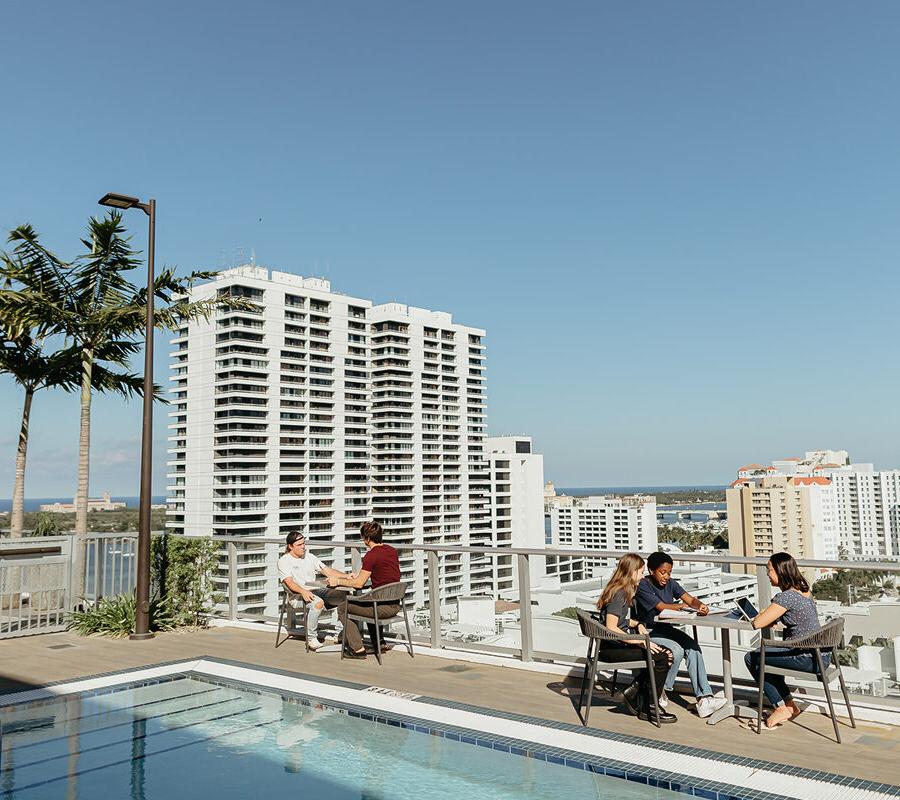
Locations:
{"points": [[871, 751]]}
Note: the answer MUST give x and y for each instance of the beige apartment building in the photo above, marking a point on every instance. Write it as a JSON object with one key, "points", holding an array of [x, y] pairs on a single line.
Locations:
{"points": [[769, 515]]}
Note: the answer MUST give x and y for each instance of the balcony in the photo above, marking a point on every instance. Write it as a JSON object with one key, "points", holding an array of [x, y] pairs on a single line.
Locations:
{"points": [[479, 676]]}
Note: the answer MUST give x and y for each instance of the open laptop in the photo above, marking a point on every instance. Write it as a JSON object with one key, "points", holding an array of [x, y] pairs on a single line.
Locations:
{"points": [[743, 609]]}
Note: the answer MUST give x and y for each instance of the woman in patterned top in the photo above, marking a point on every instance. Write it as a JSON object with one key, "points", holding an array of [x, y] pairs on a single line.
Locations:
{"points": [[796, 610]]}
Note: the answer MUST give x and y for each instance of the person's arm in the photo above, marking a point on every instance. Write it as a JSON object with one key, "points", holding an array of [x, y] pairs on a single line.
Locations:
{"points": [[647, 598], [295, 587], [768, 616], [689, 600], [612, 621], [354, 582]]}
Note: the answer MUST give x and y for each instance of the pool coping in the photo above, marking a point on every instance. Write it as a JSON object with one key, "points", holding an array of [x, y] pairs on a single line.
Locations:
{"points": [[392, 712]]}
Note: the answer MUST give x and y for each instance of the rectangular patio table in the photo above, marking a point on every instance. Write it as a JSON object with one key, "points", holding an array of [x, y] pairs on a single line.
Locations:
{"points": [[726, 624]]}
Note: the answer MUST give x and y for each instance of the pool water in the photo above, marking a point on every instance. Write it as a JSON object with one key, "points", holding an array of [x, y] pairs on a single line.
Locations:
{"points": [[191, 738]]}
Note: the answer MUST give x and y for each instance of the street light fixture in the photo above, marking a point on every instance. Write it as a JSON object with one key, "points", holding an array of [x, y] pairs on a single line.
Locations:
{"points": [[142, 611]]}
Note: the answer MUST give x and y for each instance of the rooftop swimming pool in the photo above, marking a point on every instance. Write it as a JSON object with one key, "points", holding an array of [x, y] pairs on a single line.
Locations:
{"points": [[187, 737], [218, 729]]}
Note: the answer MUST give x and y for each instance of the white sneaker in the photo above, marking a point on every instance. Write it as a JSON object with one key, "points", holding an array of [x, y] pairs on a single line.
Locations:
{"points": [[663, 700], [706, 706], [329, 639], [314, 644]]}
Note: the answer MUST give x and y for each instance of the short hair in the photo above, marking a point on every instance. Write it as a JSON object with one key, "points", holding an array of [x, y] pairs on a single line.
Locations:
{"points": [[292, 537], [656, 560], [371, 532], [788, 573]]}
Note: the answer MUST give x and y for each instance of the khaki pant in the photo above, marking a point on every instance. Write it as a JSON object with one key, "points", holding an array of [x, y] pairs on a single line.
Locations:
{"points": [[352, 638]]}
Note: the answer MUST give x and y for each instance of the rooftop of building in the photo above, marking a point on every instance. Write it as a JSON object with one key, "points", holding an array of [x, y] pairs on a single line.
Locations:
{"points": [[543, 692]]}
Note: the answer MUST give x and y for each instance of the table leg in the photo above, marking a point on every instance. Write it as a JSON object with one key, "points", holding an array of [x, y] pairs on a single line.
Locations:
{"points": [[730, 709]]}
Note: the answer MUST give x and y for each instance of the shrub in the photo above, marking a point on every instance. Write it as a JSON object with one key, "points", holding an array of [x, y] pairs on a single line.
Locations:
{"points": [[182, 568], [114, 616]]}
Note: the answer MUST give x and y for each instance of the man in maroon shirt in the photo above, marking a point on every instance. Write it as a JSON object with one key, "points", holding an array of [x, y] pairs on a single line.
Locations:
{"points": [[381, 564]]}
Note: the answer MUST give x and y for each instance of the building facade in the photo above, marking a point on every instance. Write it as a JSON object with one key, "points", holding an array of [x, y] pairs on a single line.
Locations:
{"points": [[314, 411], [604, 522]]}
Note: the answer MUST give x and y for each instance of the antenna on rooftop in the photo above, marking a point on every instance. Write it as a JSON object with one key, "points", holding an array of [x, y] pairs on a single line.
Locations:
{"points": [[253, 256]]}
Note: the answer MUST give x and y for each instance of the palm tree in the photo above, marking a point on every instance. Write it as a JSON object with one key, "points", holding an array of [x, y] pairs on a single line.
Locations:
{"points": [[101, 314], [24, 347]]}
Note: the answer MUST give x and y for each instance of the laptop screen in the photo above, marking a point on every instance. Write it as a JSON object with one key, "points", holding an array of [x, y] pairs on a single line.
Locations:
{"points": [[747, 607]]}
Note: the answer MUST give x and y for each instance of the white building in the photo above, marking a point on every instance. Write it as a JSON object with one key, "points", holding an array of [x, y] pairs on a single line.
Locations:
{"points": [[852, 507], [315, 411], [604, 522], [867, 510], [517, 512]]}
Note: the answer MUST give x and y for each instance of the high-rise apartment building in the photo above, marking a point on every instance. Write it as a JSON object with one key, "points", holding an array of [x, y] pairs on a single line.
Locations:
{"points": [[314, 411], [626, 524], [517, 510], [776, 513], [848, 509]]}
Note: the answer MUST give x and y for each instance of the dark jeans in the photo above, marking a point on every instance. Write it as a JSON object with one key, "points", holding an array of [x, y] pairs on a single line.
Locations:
{"points": [[775, 686], [352, 637], [620, 651]]}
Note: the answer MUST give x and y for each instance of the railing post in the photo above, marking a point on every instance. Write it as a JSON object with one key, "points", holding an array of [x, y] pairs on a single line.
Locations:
{"points": [[764, 593], [99, 567], [525, 606], [232, 580], [434, 599]]}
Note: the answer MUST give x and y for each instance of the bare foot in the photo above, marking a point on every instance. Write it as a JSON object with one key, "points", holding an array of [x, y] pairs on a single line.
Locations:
{"points": [[796, 711], [778, 716]]}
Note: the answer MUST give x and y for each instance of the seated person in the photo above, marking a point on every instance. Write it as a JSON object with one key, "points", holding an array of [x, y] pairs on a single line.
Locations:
{"points": [[659, 591], [794, 607], [297, 570], [614, 609], [380, 564]]}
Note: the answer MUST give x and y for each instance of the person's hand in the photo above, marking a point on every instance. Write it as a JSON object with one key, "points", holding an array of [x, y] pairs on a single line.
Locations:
{"points": [[641, 629], [307, 595], [333, 580], [703, 610], [655, 648]]}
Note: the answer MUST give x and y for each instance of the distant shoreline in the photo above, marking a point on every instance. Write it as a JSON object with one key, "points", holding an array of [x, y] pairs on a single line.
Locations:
{"points": [[592, 490], [35, 503]]}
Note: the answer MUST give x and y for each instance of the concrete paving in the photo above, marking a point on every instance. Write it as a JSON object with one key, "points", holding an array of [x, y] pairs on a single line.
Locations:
{"points": [[871, 751]]}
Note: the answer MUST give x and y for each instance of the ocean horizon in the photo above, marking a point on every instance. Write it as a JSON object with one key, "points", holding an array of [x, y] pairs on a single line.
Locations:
{"points": [[583, 491], [35, 503]]}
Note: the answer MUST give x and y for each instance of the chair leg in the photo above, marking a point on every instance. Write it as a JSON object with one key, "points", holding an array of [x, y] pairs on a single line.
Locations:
{"points": [[615, 683], [584, 679], [306, 625], [762, 680], [377, 633], [591, 679], [347, 621], [834, 660], [653, 699], [408, 634], [280, 621], [824, 678]]}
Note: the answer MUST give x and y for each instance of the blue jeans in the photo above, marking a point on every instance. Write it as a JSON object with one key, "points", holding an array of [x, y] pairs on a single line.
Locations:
{"points": [[683, 648], [775, 686], [315, 611]]}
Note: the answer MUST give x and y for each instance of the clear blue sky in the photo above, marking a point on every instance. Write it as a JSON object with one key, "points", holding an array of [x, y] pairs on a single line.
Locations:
{"points": [[677, 221]]}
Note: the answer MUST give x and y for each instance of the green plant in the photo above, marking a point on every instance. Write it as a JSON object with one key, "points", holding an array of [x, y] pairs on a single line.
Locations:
{"points": [[45, 525], [183, 567], [570, 612], [114, 616]]}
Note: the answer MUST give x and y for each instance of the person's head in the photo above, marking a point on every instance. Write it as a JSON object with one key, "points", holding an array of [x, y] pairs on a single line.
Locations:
{"points": [[659, 565], [785, 574], [295, 544], [371, 532], [626, 576]]}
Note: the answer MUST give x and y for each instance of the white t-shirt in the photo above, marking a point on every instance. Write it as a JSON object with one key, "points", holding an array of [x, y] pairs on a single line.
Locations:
{"points": [[302, 571]]}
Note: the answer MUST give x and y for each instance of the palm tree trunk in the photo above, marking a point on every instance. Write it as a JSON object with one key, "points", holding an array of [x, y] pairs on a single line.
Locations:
{"points": [[84, 463], [17, 521]]}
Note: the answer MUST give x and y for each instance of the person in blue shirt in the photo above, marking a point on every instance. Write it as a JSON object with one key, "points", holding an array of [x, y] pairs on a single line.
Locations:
{"points": [[656, 592]]}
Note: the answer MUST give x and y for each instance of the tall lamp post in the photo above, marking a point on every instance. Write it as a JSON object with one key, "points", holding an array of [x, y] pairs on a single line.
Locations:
{"points": [[142, 612]]}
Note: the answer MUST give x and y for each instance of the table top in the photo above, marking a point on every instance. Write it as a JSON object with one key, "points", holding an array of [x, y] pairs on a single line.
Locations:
{"points": [[711, 621]]}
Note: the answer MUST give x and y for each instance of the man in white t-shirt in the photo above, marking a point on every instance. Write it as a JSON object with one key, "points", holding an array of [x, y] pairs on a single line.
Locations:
{"points": [[297, 570]]}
